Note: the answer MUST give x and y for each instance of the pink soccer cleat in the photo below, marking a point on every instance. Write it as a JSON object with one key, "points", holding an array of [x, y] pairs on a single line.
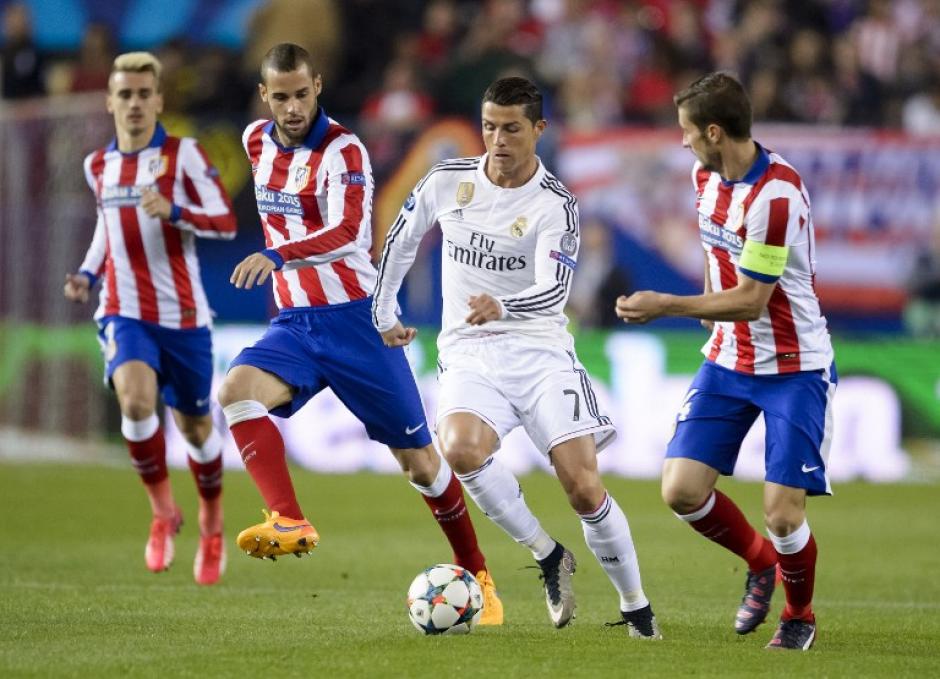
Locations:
{"points": [[210, 560], [160, 551]]}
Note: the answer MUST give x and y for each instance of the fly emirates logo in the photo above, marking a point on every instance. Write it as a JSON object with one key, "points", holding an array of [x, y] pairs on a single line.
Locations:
{"points": [[479, 253]]}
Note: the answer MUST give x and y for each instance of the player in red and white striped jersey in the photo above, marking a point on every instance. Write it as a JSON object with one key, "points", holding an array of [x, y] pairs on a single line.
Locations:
{"points": [[769, 353], [313, 185], [155, 195]]}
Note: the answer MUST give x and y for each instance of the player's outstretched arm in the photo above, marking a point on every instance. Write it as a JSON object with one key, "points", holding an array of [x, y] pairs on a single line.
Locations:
{"points": [[253, 270], [76, 287], [744, 302], [398, 335]]}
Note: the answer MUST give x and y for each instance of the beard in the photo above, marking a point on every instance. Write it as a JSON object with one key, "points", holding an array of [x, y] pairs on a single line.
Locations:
{"points": [[711, 160]]}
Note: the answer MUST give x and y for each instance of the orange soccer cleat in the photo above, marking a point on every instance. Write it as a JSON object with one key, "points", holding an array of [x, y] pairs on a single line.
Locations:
{"points": [[278, 536]]}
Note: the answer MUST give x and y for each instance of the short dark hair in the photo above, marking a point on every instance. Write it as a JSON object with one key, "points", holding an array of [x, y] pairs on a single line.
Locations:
{"points": [[720, 99], [286, 57], [516, 91]]}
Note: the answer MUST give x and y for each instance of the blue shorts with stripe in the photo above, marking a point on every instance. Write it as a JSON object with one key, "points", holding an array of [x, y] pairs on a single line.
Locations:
{"points": [[722, 404], [336, 346], [182, 359]]}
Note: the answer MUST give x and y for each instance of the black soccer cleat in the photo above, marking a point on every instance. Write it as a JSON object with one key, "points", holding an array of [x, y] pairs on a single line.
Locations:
{"points": [[641, 623], [557, 569], [755, 605], [794, 635]]}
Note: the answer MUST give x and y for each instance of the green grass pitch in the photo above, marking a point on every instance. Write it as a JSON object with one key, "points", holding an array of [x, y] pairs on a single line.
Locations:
{"points": [[76, 600]]}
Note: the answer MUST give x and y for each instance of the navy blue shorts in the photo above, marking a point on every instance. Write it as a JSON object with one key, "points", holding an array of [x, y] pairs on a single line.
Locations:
{"points": [[722, 404], [182, 359], [336, 346]]}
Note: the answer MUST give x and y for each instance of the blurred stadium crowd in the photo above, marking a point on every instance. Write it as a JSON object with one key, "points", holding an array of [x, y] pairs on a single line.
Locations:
{"points": [[391, 69], [604, 62]]}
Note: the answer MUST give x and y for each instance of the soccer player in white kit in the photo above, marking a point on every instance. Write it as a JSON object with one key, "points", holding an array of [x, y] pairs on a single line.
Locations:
{"points": [[769, 353], [510, 247], [156, 193]]}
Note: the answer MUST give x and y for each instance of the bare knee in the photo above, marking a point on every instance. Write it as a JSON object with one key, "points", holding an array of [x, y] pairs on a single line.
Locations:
{"points": [[195, 429], [585, 493], [784, 508], [682, 496], [230, 392], [420, 465], [136, 406], [783, 521], [464, 451], [247, 383]]}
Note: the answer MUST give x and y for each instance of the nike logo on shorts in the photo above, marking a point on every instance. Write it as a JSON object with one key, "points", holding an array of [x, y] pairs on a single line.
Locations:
{"points": [[807, 470], [411, 430]]}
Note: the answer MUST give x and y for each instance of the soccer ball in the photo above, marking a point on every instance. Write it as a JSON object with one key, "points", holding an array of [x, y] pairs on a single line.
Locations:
{"points": [[445, 599]]}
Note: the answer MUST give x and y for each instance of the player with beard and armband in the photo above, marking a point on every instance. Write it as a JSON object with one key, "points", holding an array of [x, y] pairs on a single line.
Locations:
{"points": [[313, 185], [511, 240], [769, 353], [156, 193]]}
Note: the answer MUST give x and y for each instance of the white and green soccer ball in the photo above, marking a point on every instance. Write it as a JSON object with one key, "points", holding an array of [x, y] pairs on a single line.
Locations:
{"points": [[445, 599]]}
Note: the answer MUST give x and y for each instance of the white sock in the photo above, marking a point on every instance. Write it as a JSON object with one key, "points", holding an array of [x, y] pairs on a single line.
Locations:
{"points": [[440, 483], [792, 543], [139, 430], [497, 492], [607, 533], [210, 449], [243, 410]]}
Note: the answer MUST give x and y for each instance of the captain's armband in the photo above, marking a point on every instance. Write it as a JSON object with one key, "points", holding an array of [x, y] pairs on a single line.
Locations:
{"points": [[763, 261]]}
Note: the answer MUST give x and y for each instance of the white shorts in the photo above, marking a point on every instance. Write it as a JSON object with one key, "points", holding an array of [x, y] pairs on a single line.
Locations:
{"points": [[507, 382]]}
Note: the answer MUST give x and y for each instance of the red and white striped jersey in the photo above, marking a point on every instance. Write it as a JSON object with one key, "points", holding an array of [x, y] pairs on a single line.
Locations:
{"points": [[771, 206], [150, 268], [315, 204]]}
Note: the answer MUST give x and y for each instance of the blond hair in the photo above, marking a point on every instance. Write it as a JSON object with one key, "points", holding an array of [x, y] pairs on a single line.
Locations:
{"points": [[138, 62]]}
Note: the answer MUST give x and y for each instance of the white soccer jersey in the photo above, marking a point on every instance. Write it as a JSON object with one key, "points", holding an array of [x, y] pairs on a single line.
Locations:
{"points": [[770, 206], [519, 245], [315, 204], [150, 267]]}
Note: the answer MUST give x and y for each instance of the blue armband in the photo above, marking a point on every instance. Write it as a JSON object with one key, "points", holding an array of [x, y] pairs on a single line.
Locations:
{"points": [[275, 257], [92, 278], [175, 212]]}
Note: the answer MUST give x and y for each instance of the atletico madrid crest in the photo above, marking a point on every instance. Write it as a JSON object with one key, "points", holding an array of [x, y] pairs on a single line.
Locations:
{"points": [[301, 176], [158, 166]]}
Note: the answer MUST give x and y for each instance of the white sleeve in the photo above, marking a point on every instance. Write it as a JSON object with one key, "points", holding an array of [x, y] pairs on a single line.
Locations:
{"points": [[94, 257], [93, 262], [556, 255], [417, 216]]}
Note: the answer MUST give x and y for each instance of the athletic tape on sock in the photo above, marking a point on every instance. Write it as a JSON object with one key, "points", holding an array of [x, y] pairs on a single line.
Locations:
{"points": [[241, 411], [701, 512], [139, 430], [792, 543], [210, 449], [440, 483]]}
